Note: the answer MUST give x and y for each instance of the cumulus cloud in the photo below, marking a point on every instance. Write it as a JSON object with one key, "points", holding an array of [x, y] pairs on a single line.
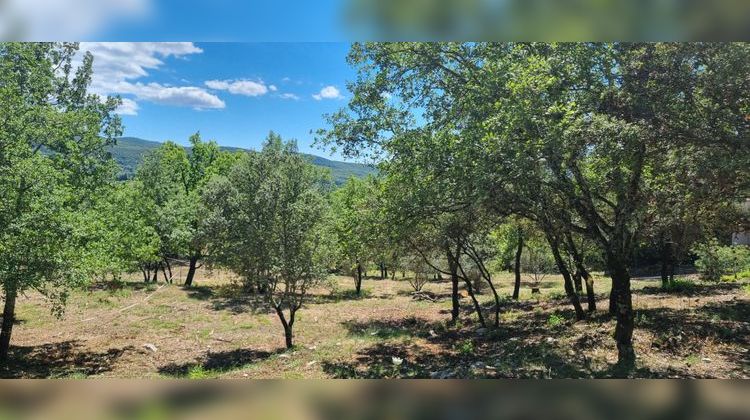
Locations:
{"points": [[43, 20], [328, 92], [128, 107], [289, 96], [118, 65], [188, 96], [241, 87]]}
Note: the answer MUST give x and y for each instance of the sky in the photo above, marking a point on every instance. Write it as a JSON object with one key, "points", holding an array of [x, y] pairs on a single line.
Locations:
{"points": [[234, 93]]}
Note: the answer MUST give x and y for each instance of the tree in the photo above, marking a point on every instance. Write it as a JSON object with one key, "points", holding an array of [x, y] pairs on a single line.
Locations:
{"points": [[266, 223], [172, 178], [580, 129], [122, 238], [352, 225], [53, 159]]}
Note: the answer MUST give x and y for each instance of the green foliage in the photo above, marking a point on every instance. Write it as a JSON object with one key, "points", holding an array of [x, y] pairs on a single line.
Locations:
{"points": [[52, 165], [171, 179], [679, 285], [466, 348], [555, 320], [122, 236], [714, 260], [265, 222]]}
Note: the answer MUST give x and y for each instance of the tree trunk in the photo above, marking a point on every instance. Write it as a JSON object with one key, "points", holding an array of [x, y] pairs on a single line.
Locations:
{"points": [[9, 313], [590, 295], [624, 313], [517, 267], [287, 326], [358, 279], [155, 278], [567, 279], [169, 269], [577, 281], [613, 299], [191, 270], [582, 274], [452, 267], [469, 289]]}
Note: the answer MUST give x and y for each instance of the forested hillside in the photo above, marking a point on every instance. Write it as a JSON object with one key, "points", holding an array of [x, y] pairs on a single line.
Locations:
{"points": [[129, 151]]}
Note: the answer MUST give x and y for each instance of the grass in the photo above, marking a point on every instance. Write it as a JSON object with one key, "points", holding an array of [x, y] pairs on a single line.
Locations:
{"points": [[208, 332]]}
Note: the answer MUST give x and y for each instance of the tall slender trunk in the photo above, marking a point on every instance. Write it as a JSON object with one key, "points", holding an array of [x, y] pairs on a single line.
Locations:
{"points": [[567, 278], [9, 314], [590, 295], [470, 291], [191, 270], [155, 277], [517, 267], [582, 274], [358, 279], [169, 269], [452, 267], [624, 313], [577, 281]]}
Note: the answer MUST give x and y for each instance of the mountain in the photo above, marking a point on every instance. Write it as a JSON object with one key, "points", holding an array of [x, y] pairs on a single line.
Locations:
{"points": [[129, 151]]}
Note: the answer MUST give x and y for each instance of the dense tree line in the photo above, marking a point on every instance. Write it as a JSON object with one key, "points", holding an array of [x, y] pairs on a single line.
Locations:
{"points": [[608, 143]]}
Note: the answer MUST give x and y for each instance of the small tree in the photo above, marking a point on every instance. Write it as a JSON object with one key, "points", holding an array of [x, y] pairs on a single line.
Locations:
{"points": [[537, 263], [266, 223], [122, 239], [172, 177]]}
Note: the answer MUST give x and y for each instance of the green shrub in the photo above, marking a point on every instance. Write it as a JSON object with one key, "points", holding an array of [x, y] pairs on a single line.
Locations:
{"points": [[714, 261], [678, 285], [554, 320], [466, 348]]}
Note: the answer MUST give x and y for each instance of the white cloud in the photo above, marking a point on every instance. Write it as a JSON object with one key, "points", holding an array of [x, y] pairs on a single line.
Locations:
{"points": [[328, 92], [128, 107], [272, 88], [241, 87], [44, 20], [117, 66], [289, 96], [187, 96]]}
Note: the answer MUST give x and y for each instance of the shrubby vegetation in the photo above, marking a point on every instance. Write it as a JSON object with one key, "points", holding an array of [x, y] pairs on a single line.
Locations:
{"points": [[535, 158], [715, 261]]}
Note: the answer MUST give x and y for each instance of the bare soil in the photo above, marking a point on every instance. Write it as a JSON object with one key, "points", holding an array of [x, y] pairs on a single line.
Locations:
{"points": [[216, 330]]}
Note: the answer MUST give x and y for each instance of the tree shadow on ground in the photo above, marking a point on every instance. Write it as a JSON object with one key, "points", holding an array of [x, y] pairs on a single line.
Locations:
{"points": [[690, 289], [683, 332], [403, 360], [424, 295], [218, 362], [61, 359], [234, 298], [392, 328], [522, 349]]}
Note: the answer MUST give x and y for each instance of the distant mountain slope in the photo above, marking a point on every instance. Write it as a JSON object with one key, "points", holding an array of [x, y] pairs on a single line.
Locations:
{"points": [[129, 151]]}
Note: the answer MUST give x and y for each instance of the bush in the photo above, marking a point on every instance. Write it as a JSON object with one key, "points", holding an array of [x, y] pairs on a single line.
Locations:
{"points": [[714, 260], [678, 285]]}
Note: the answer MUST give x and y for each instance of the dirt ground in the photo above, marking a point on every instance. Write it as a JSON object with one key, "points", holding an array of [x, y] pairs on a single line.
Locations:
{"points": [[213, 330]]}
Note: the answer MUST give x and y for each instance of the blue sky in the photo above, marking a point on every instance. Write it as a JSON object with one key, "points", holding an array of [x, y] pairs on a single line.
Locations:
{"points": [[234, 93]]}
